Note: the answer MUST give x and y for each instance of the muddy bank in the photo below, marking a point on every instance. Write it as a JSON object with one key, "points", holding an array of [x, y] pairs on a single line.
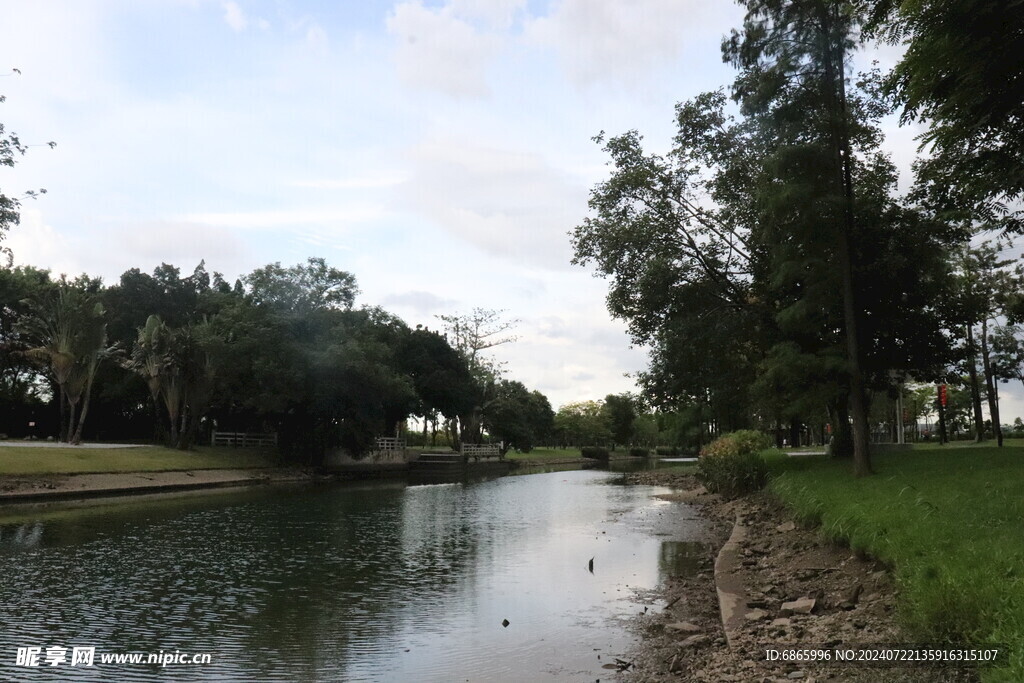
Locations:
{"points": [[28, 488], [790, 590]]}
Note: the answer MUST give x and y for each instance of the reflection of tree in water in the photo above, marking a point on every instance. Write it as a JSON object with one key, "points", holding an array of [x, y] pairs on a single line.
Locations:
{"points": [[359, 572], [21, 536], [680, 558]]}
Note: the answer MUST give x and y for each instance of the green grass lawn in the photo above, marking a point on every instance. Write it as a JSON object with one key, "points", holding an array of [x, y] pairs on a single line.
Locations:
{"points": [[950, 521], [56, 460], [545, 454]]}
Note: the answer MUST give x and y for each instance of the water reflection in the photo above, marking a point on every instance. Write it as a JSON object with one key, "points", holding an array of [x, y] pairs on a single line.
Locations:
{"points": [[372, 582]]}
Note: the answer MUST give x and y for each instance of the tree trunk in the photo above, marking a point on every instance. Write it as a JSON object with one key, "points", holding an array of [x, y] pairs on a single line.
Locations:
{"points": [[972, 371], [990, 385], [842, 439], [77, 438], [942, 423], [62, 434], [72, 410], [842, 158]]}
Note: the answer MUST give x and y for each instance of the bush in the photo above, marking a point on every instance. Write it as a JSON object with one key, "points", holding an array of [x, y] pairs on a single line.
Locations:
{"points": [[639, 452], [594, 452], [667, 451], [732, 465]]}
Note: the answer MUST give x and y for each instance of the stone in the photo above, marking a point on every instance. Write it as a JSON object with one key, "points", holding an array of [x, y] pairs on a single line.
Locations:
{"points": [[850, 599], [782, 621], [801, 606], [695, 640], [795, 675], [786, 527], [756, 615], [685, 627]]}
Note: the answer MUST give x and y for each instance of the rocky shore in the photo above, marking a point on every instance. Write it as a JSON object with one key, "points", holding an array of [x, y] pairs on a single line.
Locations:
{"points": [[785, 589]]}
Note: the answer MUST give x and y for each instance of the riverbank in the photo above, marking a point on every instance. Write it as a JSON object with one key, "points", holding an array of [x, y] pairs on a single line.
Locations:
{"points": [[33, 488], [841, 599]]}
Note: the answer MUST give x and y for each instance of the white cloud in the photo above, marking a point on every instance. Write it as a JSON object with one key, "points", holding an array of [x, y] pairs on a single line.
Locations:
{"points": [[439, 50], [284, 218], [234, 17], [419, 302], [366, 182], [35, 242], [623, 40], [494, 13], [512, 205]]}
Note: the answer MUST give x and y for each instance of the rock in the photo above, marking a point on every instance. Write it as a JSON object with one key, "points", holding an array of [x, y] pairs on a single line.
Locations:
{"points": [[801, 606], [794, 675], [755, 615], [676, 665], [685, 627], [758, 603], [748, 563], [695, 640], [786, 527], [783, 621], [850, 599]]}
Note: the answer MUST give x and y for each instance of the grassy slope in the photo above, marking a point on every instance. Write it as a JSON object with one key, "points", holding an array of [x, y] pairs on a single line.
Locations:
{"points": [[951, 523], [19, 460], [545, 454]]}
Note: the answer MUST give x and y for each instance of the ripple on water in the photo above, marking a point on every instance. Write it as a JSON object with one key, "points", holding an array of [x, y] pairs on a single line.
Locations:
{"points": [[355, 583]]}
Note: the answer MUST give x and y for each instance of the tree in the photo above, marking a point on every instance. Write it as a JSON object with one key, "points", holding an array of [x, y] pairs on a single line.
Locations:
{"points": [[620, 414], [962, 72], [67, 336], [470, 334], [20, 391], [582, 423], [520, 418]]}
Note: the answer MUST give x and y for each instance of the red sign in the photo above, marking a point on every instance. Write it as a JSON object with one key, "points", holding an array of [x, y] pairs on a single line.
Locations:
{"points": [[942, 395]]}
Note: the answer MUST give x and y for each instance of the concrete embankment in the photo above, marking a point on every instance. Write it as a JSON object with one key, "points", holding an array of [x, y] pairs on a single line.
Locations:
{"points": [[29, 488]]}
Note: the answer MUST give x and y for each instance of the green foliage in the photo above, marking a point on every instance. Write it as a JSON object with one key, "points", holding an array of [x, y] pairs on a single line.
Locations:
{"points": [[583, 422], [518, 417], [620, 412], [594, 452], [732, 465], [946, 520], [666, 451], [962, 72], [639, 452]]}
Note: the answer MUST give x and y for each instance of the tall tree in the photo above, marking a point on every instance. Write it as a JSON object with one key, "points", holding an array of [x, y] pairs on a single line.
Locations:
{"points": [[962, 73], [470, 334]]}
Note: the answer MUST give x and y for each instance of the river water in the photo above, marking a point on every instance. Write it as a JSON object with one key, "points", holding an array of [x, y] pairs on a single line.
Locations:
{"points": [[381, 582]]}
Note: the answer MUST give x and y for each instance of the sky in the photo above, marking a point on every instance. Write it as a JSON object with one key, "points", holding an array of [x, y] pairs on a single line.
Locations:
{"points": [[441, 151]]}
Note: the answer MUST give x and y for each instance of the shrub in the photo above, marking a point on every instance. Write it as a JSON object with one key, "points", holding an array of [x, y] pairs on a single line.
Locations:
{"points": [[732, 465], [667, 451], [594, 452], [639, 452]]}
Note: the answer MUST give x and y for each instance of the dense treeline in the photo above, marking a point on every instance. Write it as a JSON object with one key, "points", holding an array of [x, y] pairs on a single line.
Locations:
{"points": [[168, 357], [768, 260]]}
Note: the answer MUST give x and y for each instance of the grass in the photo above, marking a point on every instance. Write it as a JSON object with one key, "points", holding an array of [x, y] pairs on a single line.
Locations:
{"points": [[949, 521], [18, 460], [545, 454]]}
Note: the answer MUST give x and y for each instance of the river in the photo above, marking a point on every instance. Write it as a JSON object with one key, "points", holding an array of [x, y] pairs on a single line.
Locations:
{"points": [[377, 582]]}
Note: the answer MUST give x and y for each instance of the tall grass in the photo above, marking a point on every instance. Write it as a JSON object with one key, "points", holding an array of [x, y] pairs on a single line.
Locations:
{"points": [[949, 522]]}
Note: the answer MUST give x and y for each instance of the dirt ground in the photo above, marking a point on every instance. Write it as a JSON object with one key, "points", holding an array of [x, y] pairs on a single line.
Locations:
{"points": [[854, 603]]}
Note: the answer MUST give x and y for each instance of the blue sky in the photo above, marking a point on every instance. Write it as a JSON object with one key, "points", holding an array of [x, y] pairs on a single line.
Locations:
{"points": [[440, 151]]}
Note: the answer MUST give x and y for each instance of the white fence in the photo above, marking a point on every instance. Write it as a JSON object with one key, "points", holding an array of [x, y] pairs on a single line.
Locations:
{"points": [[389, 444], [481, 450], [243, 439]]}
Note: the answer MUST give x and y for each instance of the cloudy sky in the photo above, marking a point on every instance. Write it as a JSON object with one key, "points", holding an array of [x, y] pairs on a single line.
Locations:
{"points": [[439, 150]]}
